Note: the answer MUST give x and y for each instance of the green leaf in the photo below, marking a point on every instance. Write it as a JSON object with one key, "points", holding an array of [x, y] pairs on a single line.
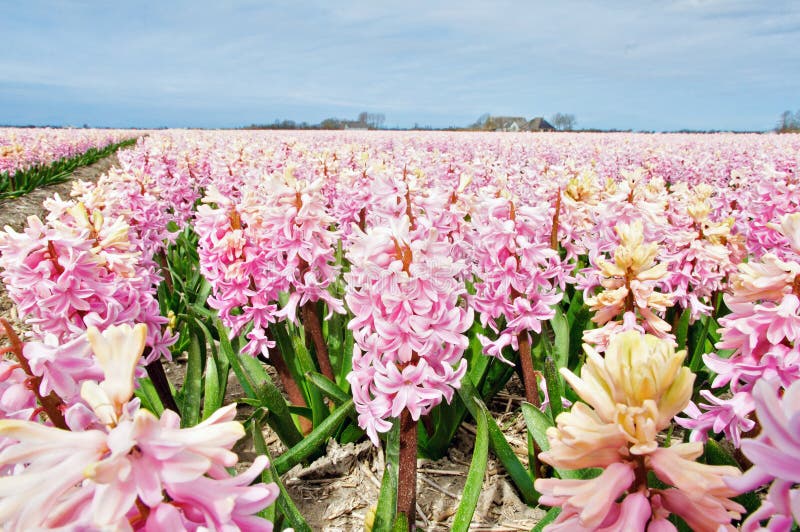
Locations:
{"points": [[401, 524], [387, 500], [314, 441], [346, 365], [446, 420], [477, 468], [193, 381], [561, 330], [579, 319], [499, 445], [327, 387], [350, 433], [448, 417], [497, 375], [537, 423], [212, 396], [700, 345], [682, 329], [146, 392], [226, 347], [216, 375], [299, 361], [478, 362], [278, 417], [301, 411], [284, 502], [552, 381], [258, 386]]}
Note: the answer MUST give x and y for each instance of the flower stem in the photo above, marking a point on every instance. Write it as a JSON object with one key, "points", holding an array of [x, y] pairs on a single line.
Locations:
{"points": [[162, 262], [314, 328], [51, 404], [291, 387], [531, 393], [528, 373], [407, 473], [155, 370], [640, 475], [554, 230]]}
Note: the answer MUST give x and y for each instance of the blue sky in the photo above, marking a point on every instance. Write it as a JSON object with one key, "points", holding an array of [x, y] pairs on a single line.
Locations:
{"points": [[660, 65]]}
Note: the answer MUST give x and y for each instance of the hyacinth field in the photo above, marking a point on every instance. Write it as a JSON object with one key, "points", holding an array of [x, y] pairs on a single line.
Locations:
{"points": [[641, 291]]}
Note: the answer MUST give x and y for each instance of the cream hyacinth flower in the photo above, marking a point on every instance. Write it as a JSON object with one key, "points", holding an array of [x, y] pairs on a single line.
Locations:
{"points": [[630, 396], [629, 286], [117, 349], [639, 386]]}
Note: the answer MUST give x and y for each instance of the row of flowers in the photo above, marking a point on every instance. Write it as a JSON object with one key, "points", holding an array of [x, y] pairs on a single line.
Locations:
{"points": [[21, 148]]}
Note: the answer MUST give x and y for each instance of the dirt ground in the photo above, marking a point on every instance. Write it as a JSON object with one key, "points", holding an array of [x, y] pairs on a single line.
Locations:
{"points": [[336, 491]]}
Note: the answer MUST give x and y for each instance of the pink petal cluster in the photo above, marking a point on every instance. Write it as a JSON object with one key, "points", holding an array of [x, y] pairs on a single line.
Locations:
{"points": [[763, 336], [275, 239], [775, 454], [152, 194], [517, 271], [234, 258], [74, 271], [297, 227], [132, 471], [408, 323], [701, 253]]}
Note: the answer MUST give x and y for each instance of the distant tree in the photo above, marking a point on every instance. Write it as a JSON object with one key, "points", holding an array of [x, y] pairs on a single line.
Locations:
{"points": [[788, 122], [376, 120], [371, 120], [563, 121], [331, 123], [480, 123]]}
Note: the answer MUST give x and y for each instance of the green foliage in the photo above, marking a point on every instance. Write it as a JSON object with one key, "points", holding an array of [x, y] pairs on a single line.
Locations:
{"points": [[314, 441], [498, 443], [284, 503], [387, 499], [477, 468]]}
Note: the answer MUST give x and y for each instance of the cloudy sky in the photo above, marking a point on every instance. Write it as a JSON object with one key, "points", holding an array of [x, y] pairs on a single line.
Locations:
{"points": [[640, 64]]}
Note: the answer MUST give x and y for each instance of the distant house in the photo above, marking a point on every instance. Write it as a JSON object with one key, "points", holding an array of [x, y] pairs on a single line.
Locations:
{"points": [[507, 123], [540, 124]]}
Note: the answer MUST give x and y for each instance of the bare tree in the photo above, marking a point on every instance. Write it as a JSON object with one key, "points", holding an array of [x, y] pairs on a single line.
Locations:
{"points": [[563, 121], [376, 120], [371, 120], [480, 122], [788, 122]]}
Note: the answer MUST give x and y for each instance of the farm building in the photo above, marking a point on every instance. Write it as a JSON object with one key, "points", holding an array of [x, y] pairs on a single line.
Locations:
{"points": [[540, 124]]}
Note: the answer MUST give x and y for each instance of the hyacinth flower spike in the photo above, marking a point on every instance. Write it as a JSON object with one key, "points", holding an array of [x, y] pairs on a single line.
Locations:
{"points": [[409, 329]]}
